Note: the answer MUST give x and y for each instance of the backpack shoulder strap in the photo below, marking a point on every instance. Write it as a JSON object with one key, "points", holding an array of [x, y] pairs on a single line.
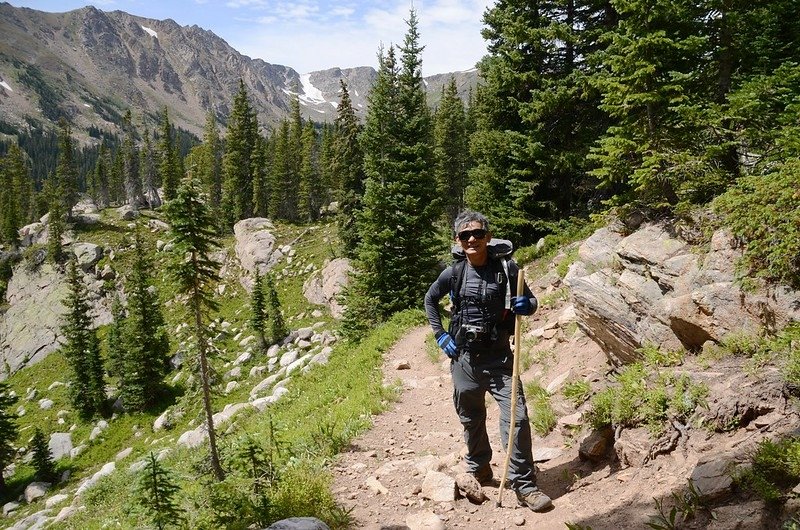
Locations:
{"points": [[457, 280]]}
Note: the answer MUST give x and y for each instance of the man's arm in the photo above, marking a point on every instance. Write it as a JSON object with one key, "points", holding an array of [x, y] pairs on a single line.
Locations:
{"points": [[436, 291]]}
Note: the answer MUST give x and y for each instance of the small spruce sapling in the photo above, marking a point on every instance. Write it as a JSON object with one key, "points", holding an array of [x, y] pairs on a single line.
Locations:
{"points": [[156, 494], [42, 458], [8, 432]]}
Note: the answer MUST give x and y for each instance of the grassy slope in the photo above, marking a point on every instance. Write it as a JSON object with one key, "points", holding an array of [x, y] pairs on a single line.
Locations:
{"points": [[322, 411]]}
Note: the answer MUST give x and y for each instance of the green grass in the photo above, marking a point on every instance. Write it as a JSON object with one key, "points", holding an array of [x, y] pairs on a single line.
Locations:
{"points": [[542, 416], [774, 470], [577, 392], [646, 396]]}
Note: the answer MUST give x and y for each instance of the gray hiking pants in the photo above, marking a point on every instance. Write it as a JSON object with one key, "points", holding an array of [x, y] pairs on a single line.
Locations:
{"points": [[471, 381]]}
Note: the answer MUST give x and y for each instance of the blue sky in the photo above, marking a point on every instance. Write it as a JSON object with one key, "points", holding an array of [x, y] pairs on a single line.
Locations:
{"points": [[312, 35]]}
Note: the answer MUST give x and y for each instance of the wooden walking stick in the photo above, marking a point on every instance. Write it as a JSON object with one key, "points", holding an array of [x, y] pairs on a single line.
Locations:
{"points": [[512, 421]]}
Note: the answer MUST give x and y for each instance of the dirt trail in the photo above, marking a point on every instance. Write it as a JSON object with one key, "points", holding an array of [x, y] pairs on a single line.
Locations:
{"points": [[381, 474]]}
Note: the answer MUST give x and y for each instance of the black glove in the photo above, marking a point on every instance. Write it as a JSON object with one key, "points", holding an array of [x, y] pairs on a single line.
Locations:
{"points": [[522, 305]]}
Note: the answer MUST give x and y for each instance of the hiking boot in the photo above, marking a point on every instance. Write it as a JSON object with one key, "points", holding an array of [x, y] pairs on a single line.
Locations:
{"points": [[535, 500], [484, 475]]}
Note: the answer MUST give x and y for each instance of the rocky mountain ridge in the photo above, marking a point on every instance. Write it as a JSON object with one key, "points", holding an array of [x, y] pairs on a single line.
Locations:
{"points": [[91, 66]]}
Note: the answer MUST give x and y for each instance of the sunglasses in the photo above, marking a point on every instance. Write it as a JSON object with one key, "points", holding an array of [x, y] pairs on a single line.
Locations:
{"points": [[478, 233]]}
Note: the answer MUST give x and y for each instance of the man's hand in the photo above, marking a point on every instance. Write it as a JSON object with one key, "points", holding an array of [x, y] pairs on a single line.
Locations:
{"points": [[522, 305], [448, 345]]}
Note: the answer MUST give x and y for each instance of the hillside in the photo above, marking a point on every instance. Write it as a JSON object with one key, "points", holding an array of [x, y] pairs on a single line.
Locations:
{"points": [[91, 66], [294, 400]]}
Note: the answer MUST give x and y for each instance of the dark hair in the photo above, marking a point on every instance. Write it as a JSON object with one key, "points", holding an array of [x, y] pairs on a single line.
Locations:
{"points": [[468, 216]]}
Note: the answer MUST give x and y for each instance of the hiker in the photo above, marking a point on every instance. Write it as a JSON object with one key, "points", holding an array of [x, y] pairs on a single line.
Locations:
{"points": [[481, 284]]}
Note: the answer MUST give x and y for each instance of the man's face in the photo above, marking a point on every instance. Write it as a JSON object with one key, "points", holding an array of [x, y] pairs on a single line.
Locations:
{"points": [[474, 240]]}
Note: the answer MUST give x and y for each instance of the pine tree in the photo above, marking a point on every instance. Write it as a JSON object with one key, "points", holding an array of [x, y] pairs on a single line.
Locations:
{"points": [[148, 173], [12, 185], [82, 350], [258, 311], [8, 432], [66, 176], [99, 179], [237, 162], [130, 164], [156, 493], [308, 191], [451, 149], [56, 222], [42, 458], [261, 191], [211, 173], [167, 171], [398, 252], [347, 168], [280, 172], [194, 271], [277, 326], [116, 183], [145, 345], [115, 337]]}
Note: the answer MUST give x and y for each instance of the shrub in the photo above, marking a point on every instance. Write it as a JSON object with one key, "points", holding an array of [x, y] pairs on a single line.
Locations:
{"points": [[775, 468], [762, 211]]}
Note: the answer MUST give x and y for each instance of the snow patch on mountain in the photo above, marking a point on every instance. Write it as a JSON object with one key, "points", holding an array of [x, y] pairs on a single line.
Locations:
{"points": [[150, 31], [5, 85], [313, 95]]}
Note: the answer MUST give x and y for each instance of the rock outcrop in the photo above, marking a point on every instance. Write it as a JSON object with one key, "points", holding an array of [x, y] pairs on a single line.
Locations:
{"points": [[255, 247], [651, 287], [324, 286]]}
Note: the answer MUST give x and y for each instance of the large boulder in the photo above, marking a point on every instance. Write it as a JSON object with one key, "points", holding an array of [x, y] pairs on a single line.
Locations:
{"points": [[255, 247], [31, 327], [651, 287], [324, 286]]}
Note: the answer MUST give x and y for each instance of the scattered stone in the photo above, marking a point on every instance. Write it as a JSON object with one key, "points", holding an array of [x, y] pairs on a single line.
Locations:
{"points": [[55, 499], [91, 481], [402, 364], [36, 490], [425, 520], [438, 487], [470, 488], [713, 479], [519, 521], [299, 523], [595, 445], [60, 444], [125, 453], [374, 485], [544, 454], [10, 507]]}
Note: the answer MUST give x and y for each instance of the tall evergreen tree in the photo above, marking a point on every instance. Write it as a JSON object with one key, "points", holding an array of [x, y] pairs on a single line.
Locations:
{"points": [[258, 311], [145, 345], [167, 171], [398, 252], [347, 170], [156, 493], [261, 190], [42, 458], [280, 173], [194, 272], [8, 432], [130, 164], [451, 150], [277, 326], [148, 172], [66, 176], [15, 196], [82, 350], [99, 188], [115, 338], [56, 222], [211, 172], [116, 178], [308, 191], [237, 162]]}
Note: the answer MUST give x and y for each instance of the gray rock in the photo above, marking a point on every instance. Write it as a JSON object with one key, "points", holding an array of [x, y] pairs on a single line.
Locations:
{"points": [[438, 487], [87, 255], [10, 507], [299, 523], [713, 479], [60, 444], [424, 520], [36, 490], [324, 286]]}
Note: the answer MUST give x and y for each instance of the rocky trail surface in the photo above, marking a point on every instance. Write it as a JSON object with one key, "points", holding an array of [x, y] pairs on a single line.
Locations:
{"points": [[401, 473]]}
